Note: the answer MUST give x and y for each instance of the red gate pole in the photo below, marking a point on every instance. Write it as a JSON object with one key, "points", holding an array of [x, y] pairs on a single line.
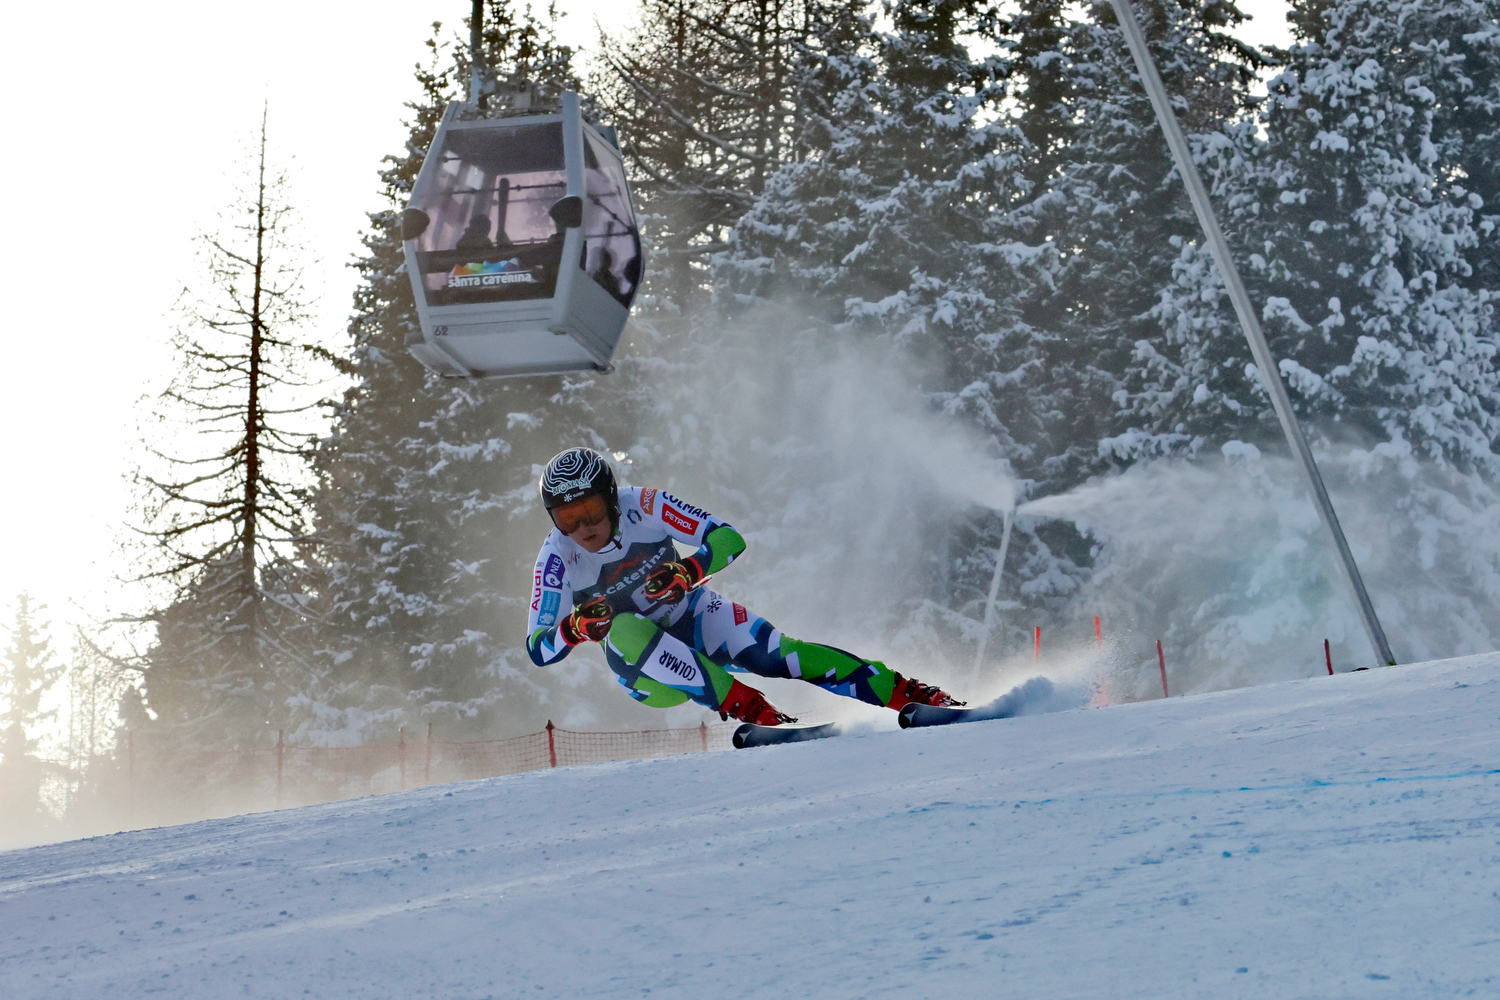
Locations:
{"points": [[280, 763], [401, 754], [551, 744], [427, 768], [1098, 633], [703, 734], [1036, 653], [1162, 660], [1328, 656]]}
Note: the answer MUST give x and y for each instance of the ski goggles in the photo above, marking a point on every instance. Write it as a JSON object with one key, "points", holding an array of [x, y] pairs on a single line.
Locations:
{"points": [[583, 513]]}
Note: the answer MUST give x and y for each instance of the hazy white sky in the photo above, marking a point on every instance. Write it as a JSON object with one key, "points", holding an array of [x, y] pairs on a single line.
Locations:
{"points": [[123, 121]]}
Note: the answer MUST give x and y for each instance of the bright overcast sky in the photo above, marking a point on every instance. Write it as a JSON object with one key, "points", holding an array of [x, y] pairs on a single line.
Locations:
{"points": [[124, 120]]}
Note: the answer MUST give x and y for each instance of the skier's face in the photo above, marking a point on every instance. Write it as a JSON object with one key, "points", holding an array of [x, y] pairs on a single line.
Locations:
{"points": [[586, 521]]}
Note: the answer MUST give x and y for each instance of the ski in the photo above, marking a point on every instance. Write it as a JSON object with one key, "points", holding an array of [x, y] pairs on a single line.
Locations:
{"points": [[1032, 694], [917, 715], [751, 735]]}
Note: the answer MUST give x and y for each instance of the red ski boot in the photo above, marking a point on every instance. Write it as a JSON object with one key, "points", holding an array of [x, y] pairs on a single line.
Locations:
{"points": [[909, 689], [748, 705]]}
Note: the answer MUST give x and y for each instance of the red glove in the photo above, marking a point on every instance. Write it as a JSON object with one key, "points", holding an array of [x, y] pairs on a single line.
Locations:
{"points": [[672, 581], [591, 621]]}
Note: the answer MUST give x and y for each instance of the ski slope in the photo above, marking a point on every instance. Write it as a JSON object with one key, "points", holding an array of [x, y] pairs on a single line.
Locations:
{"points": [[1333, 837]]}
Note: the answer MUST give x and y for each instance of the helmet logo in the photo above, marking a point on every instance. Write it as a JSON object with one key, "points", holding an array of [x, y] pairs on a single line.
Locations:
{"points": [[569, 485]]}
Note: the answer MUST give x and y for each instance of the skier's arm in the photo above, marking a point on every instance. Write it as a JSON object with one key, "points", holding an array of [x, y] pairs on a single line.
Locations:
{"points": [[550, 593], [718, 543], [721, 546]]}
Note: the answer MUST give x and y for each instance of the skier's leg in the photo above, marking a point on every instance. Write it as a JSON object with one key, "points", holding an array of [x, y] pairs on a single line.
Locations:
{"points": [[728, 632], [661, 670]]}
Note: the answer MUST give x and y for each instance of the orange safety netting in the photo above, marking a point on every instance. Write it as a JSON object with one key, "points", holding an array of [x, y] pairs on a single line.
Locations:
{"points": [[171, 786]]}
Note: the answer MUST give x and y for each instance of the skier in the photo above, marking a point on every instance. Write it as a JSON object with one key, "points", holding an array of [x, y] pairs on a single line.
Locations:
{"points": [[610, 562]]}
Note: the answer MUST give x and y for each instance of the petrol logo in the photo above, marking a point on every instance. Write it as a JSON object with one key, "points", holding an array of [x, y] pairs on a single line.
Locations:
{"points": [[552, 576], [681, 522]]}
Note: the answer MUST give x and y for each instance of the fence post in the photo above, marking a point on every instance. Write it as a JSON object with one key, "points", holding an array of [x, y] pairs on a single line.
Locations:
{"points": [[703, 734], [401, 754], [1162, 660], [1328, 656], [427, 768], [280, 763], [130, 774], [551, 745]]}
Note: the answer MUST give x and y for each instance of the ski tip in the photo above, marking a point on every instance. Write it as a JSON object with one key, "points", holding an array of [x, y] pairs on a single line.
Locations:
{"points": [[920, 715], [751, 735]]}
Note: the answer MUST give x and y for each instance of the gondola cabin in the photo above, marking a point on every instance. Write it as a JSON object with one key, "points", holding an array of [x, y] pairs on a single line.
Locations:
{"points": [[521, 244]]}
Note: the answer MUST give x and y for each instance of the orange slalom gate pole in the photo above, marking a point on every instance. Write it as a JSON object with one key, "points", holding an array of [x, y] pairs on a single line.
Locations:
{"points": [[1036, 653], [1161, 660], [1098, 633], [427, 767], [401, 754]]}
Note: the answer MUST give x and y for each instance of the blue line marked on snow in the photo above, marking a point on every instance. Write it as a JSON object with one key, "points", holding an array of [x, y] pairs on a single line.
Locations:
{"points": [[1298, 786]]}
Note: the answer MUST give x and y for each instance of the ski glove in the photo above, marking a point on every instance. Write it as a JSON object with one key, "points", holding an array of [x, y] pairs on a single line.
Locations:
{"points": [[672, 581], [591, 621]]}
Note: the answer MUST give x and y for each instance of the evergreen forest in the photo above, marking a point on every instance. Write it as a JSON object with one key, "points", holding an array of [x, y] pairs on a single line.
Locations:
{"points": [[908, 266]]}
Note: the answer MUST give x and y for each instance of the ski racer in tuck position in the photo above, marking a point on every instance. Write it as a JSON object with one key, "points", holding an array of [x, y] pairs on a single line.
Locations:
{"points": [[609, 561]]}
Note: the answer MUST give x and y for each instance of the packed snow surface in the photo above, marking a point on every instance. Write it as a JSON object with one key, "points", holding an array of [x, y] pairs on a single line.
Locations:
{"points": [[1332, 837]]}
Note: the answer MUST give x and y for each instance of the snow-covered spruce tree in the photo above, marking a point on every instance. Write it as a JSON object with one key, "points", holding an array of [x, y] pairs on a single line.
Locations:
{"points": [[428, 517], [27, 673], [1360, 229], [1355, 209], [1349, 208], [705, 96], [225, 497], [1110, 201], [880, 249]]}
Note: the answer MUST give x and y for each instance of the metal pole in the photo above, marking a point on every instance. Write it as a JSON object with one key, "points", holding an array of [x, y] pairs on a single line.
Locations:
{"points": [[1270, 374], [476, 55], [989, 608]]}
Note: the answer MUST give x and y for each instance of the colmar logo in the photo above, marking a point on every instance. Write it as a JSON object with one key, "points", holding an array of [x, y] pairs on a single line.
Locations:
{"points": [[678, 666], [648, 500], [741, 616], [681, 522], [688, 508], [552, 576]]}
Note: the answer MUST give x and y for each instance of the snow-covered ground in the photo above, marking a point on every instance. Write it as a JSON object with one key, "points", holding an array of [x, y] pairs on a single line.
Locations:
{"points": [[1333, 837]]}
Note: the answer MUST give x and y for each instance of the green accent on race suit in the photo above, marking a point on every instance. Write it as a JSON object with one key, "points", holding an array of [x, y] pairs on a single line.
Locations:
{"points": [[658, 695], [723, 544], [630, 635], [826, 665]]}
